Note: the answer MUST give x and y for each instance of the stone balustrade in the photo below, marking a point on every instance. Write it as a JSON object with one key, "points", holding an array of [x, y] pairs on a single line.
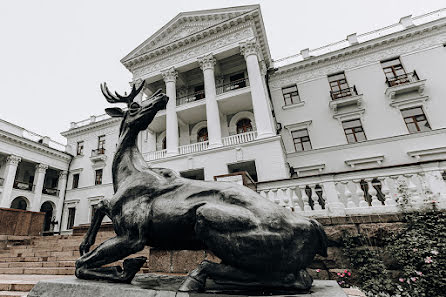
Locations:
{"points": [[359, 193], [239, 138], [155, 155]]}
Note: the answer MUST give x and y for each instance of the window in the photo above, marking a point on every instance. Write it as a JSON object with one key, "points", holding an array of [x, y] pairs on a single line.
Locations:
{"points": [[339, 86], [415, 120], [75, 180], [354, 131], [394, 71], [243, 126], [71, 216], [290, 95], [163, 143], [202, 135], [98, 177], [101, 144], [80, 148], [301, 140]]}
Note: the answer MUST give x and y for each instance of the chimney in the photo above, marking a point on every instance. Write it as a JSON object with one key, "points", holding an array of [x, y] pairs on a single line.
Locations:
{"points": [[305, 53], [407, 22], [352, 39]]}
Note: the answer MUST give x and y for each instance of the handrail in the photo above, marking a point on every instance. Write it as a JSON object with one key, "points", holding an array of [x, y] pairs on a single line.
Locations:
{"points": [[97, 152], [402, 79], [233, 85], [50, 191], [343, 93], [21, 185], [190, 97]]}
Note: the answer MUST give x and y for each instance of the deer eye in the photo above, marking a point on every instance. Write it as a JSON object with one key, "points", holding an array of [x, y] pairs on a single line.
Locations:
{"points": [[134, 105]]}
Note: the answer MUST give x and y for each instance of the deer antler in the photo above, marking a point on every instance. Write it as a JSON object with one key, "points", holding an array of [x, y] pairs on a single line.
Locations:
{"points": [[118, 98]]}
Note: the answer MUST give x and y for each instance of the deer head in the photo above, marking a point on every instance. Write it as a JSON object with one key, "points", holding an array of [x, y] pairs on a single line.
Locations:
{"points": [[138, 116]]}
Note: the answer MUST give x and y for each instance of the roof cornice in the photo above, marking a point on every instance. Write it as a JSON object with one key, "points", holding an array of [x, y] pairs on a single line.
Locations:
{"points": [[96, 125], [29, 144], [361, 48], [253, 15]]}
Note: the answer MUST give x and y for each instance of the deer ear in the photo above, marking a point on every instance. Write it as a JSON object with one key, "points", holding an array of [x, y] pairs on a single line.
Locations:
{"points": [[114, 112]]}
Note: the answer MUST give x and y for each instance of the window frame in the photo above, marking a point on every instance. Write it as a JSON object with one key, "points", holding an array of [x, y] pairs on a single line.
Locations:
{"points": [[415, 121], [80, 148], [98, 181], [301, 141], [198, 134], [290, 95], [243, 127], [71, 217], [75, 184], [354, 133], [101, 142]]}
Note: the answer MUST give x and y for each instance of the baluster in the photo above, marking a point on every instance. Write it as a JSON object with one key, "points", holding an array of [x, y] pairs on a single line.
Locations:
{"points": [[315, 198], [414, 196], [425, 188], [324, 198], [348, 196], [275, 199], [388, 199], [286, 196], [360, 194], [305, 198], [373, 193], [295, 199]]}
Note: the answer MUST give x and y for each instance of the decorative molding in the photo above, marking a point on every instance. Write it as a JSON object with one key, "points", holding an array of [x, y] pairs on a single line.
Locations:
{"points": [[76, 171], [63, 174], [359, 55], [294, 105], [376, 159], [250, 47], [346, 101], [408, 102], [194, 132], [87, 128], [349, 115], [298, 126], [232, 127], [300, 170], [190, 53], [13, 160], [418, 86], [419, 154], [207, 62], [169, 75]]}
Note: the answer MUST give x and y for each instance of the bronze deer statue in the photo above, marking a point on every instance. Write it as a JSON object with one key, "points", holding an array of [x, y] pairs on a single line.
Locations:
{"points": [[261, 245]]}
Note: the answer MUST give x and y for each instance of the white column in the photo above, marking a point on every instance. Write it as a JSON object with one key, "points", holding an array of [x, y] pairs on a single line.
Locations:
{"points": [[61, 186], [170, 78], [259, 99], [38, 186], [12, 162], [212, 114], [137, 83]]}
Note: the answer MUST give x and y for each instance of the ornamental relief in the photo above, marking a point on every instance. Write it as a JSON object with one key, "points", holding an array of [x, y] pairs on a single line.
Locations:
{"points": [[346, 62], [194, 52]]}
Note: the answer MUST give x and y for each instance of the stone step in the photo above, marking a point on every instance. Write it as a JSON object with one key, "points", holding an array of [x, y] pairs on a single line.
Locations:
{"points": [[39, 270], [13, 294], [16, 286], [37, 264]]}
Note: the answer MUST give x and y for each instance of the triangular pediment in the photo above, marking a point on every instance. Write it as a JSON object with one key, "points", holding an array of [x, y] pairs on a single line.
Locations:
{"points": [[186, 24]]}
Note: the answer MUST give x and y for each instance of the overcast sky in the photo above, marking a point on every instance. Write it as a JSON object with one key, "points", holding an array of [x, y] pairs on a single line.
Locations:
{"points": [[55, 53]]}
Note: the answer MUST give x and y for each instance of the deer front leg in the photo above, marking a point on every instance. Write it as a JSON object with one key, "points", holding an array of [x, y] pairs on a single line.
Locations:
{"points": [[90, 236]]}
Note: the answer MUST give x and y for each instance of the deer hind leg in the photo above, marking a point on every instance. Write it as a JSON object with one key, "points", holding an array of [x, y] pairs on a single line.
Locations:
{"points": [[114, 249], [90, 236]]}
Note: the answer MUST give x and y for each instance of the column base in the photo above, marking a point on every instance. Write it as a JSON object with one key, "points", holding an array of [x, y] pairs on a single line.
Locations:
{"points": [[215, 145], [261, 135]]}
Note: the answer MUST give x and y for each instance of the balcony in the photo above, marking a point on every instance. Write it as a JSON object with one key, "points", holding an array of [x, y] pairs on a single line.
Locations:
{"points": [[345, 97], [190, 97], [21, 185], [50, 191], [403, 84], [98, 155], [204, 145], [233, 85]]}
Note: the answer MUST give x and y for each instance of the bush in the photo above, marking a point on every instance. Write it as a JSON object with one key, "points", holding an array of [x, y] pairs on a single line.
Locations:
{"points": [[418, 253]]}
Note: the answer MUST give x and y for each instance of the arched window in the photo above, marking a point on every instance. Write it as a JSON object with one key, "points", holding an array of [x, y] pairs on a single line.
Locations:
{"points": [[47, 208], [243, 126], [164, 143], [202, 135], [19, 203]]}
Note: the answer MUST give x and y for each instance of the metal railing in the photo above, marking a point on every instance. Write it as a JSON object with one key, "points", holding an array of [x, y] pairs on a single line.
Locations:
{"points": [[190, 97], [347, 92], [233, 85], [98, 152], [21, 185], [402, 79], [50, 191]]}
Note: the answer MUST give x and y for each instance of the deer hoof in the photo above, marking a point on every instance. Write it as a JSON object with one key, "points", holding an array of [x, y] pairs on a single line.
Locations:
{"points": [[191, 285]]}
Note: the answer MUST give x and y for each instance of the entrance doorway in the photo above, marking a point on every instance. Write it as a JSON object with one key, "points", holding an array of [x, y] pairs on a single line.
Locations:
{"points": [[47, 208]]}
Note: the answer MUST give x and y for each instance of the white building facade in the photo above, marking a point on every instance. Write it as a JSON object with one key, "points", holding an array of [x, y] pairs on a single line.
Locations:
{"points": [[33, 173], [334, 131]]}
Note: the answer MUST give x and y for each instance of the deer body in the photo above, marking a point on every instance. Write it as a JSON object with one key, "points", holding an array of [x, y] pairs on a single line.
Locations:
{"points": [[260, 243]]}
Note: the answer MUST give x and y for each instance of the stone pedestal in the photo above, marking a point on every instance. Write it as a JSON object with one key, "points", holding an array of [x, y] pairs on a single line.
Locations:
{"points": [[151, 285]]}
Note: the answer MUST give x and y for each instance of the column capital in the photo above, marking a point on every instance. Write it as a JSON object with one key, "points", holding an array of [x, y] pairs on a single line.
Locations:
{"points": [[63, 174], [169, 75], [250, 47], [41, 168], [13, 160], [207, 62], [137, 83], [263, 68]]}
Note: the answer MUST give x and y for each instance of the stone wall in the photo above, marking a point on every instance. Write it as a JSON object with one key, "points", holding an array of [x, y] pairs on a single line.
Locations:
{"points": [[375, 227], [21, 222]]}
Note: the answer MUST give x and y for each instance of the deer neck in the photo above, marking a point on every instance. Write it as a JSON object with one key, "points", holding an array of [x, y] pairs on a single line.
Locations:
{"points": [[128, 160]]}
